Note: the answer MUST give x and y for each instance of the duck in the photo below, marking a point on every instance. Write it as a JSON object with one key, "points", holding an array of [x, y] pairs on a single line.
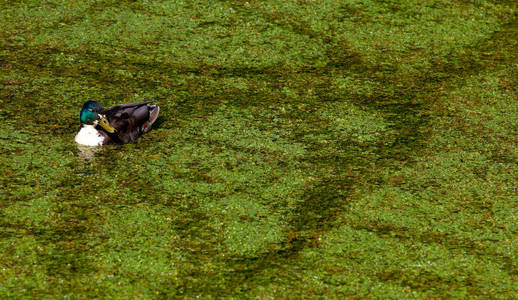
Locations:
{"points": [[119, 124]]}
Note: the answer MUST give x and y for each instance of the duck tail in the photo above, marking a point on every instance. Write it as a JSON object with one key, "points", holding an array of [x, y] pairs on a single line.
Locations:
{"points": [[153, 115]]}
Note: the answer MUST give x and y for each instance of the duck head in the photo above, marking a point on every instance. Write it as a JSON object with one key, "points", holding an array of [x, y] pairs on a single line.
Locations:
{"points": [[91, 114]]}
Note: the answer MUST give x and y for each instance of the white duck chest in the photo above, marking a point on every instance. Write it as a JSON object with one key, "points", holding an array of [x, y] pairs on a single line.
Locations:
{"points": [[89, 136]]}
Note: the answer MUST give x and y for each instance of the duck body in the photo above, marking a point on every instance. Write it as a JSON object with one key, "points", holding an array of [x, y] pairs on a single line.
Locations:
{"points": [[119, 124]]}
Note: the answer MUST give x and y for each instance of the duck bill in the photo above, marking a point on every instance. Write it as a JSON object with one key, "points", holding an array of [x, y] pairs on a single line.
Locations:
{"points": [[103, 122]]}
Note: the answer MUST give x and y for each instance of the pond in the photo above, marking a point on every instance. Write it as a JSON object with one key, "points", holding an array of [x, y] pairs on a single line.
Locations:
{"points": [[303, 149]]}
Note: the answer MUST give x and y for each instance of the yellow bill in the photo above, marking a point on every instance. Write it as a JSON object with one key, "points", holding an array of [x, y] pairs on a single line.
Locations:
{"points": [[103, 122]]}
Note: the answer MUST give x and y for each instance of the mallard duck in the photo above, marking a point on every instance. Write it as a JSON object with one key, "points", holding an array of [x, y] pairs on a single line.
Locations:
{"points": [[119, 124]]}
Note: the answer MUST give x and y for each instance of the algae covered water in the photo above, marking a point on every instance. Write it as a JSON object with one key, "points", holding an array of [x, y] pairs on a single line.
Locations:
{"points": [[304, 149]]}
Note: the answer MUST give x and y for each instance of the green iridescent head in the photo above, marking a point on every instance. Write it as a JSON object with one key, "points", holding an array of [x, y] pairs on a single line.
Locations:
{"points": [[91, 115], [90, 112]]}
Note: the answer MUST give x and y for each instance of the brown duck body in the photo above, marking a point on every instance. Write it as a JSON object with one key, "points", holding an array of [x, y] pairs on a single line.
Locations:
{"points": [[129, 120]]}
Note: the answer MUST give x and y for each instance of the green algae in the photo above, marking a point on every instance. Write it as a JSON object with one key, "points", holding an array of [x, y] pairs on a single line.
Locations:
{"points": [[304, 150]]}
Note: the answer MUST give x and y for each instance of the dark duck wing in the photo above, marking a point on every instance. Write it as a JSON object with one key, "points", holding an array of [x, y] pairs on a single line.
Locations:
{"points": [[130, 121]]}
